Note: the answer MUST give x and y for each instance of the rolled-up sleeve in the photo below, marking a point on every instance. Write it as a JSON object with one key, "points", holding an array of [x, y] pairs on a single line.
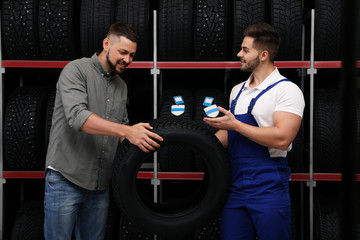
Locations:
{"points": [[84, 88], [72, 90]]}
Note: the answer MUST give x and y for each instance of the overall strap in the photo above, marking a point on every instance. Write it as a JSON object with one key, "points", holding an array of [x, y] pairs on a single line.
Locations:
{"points": [[233, 103], [253, 101]]}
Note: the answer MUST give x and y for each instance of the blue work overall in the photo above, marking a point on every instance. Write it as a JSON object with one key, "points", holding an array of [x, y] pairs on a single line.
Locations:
{"points": [[259, 201]]}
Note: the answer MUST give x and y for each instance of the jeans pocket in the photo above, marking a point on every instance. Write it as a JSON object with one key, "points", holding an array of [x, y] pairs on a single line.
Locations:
{"points": [[54, 176]]}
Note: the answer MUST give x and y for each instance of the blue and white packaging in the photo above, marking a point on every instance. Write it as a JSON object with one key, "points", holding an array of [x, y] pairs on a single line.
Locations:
{"points": [[212, 111], [177, 110], [208, 101], [178, 100]]}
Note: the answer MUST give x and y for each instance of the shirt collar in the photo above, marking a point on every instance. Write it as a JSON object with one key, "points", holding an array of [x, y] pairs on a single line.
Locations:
{"points": [[269, 80], [104, 72]]}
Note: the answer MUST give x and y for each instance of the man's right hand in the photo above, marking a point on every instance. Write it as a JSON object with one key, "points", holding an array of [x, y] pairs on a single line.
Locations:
{"points": [[141, 136]]}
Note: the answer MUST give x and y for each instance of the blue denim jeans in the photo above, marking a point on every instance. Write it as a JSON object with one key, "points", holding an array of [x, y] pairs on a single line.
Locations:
{"points": [[68, 207]]}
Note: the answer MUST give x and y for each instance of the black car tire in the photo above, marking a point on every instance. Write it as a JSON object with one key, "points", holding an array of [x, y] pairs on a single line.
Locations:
{"points": [[287, 18], [57, 32], [95, 19], [20, 29], [176, 157], [328, 25], [176, 30], [328, 113], [327, 217], [185, 220], [23, 129], [29, 222], [245, 13], [136, 13], [211, 30]]}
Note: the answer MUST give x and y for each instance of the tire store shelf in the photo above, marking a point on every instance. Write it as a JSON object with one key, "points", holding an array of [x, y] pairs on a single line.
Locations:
{"points": [[182, 65], [309, 177], [183, 176]]}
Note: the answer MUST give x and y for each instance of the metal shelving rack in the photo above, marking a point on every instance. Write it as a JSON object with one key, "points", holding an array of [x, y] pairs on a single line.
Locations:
{"points": [[155, 67]]}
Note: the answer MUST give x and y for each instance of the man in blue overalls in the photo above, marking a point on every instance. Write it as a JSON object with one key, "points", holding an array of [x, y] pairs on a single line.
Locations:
{"points": [[264, 118]]}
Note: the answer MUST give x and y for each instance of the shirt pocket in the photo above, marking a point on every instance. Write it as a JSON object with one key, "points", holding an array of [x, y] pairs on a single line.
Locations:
{"points": [[118, 110]]}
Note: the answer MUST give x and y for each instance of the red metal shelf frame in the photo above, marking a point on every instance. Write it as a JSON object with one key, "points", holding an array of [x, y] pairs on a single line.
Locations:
{"points": [[177, 65], [181, 65], [58, 64], [225, 65], [141, 175], [150, 64], [295, 177], [332, 64]]}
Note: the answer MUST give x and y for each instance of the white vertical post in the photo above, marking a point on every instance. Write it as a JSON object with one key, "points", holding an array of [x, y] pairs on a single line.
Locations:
{"points": [[302, 75], [312, 71], [2, 181], [155, 72]]}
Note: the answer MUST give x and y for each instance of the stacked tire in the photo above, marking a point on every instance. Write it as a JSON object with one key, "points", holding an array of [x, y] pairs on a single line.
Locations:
{"points": [[29, 221], [327, 214], [328, 140], [24, 129], [213, 30], [188, 30], [68, 29]]}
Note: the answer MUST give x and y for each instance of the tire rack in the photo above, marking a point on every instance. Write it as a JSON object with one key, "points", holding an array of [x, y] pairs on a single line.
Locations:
{"points": [[155, 67]]}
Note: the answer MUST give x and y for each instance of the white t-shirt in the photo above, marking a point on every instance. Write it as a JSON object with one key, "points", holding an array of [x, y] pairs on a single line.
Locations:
{"points": [[285, 96]]}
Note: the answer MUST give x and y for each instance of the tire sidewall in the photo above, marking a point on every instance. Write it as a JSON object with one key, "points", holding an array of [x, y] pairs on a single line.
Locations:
{"points": [[188, 220]]}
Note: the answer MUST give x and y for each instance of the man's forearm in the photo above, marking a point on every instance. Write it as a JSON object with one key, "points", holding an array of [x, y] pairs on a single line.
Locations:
{"points": [[279, 136], [222, 136], [98, 126]]}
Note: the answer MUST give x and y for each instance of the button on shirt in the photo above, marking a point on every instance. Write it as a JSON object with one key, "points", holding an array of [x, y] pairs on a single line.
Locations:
{"points": [[85, 87]]}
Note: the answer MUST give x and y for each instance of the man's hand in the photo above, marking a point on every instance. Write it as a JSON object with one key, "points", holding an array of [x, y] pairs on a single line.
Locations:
{"points": [[138, 134], [141, 136], [226, 122], [279, 136]]}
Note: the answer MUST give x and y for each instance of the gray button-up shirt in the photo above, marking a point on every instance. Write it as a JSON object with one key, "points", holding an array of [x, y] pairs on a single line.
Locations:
{"points": [[85, 87]]}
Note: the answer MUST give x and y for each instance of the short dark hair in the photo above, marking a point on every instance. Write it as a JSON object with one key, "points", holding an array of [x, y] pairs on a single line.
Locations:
{"points": [[122, 29], [265, 38]]}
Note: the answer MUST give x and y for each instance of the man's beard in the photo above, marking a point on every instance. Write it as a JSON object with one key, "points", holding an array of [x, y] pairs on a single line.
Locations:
{"points": [[112, 66], [251, 65]]}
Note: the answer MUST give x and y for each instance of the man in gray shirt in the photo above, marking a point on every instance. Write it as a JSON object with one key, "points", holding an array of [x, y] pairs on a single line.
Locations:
{"points": [[89, 120]]}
